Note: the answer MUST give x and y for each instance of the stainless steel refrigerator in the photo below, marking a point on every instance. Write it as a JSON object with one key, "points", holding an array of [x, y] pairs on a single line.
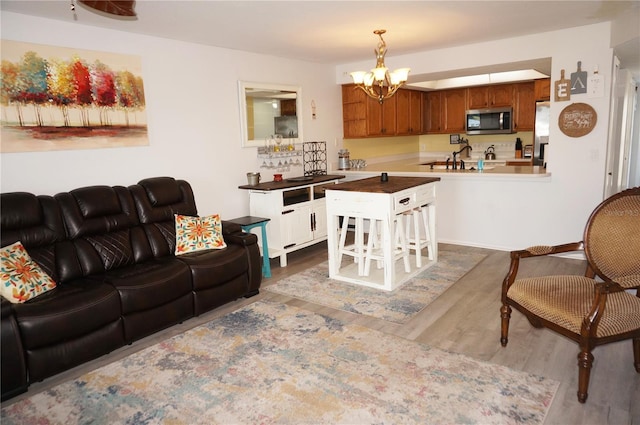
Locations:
{"points": [[541, 133]]}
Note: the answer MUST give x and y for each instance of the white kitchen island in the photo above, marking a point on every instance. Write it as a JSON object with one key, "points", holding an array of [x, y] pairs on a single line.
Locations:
{"points": [[383, 201]]}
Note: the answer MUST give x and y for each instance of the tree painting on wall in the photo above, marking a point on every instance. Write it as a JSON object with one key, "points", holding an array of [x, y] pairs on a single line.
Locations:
{"points": [[56, 98]]}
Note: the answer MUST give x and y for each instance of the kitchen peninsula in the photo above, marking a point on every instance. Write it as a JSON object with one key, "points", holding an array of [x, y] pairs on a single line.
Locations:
{"points": [[420, 166]]}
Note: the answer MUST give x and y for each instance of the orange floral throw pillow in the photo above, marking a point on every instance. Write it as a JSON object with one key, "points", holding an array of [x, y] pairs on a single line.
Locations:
{"points": [[21, 278], [198, 233]]}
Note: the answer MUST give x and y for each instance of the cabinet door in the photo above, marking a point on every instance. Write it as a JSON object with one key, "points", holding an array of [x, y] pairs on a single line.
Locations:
{"points": [[433, 112], [454, 107], [319, 218], [543, 89], [524, 109], [500, 95], [478, 97], [403, 112], [354, 111], [295, 225], [381, 119], [415, 112], [408, 112]]}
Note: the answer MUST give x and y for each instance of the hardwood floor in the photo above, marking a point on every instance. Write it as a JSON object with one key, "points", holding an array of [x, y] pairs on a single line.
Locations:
{"points": [[465, 319]]}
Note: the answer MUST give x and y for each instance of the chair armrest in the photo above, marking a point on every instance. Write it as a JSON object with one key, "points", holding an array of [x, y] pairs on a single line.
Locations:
{"points": [[540, 250], [534, 251]]}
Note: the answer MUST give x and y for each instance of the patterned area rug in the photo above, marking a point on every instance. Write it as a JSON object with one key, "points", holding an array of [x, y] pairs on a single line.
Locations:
{"points": [[270, 363], [397, 306]]}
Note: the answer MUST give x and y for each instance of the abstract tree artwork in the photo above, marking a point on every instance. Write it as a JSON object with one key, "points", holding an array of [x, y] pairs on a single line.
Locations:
{"points": [[57, 98]]}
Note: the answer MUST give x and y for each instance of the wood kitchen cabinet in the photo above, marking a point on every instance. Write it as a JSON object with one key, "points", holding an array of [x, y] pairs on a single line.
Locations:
{"points": [[354, 112], [524, 107], [542, 89], [363, 116], [433, 112], [454, 104], [381, 118], [445, 111], [490, 96], [408, 112]]}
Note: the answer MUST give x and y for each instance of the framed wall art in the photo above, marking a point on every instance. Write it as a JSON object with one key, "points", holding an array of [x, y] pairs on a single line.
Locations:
{"points": [[577, 120], [56, 98]]}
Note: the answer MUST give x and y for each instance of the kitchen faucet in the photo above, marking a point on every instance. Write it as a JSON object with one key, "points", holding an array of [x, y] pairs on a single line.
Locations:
{"points": [[455, 154]]}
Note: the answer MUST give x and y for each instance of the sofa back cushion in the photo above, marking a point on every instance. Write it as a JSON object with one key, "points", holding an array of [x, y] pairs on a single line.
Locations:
{"points": [[103, 225], [36, 222], [157, 201]]}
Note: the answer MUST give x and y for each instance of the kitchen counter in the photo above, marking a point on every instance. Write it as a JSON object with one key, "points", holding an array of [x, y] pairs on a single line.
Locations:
{"points": [[415, 167]]}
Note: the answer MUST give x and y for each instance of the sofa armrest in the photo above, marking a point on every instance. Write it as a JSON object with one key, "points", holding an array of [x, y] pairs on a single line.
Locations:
{"points": [[233, 234]]}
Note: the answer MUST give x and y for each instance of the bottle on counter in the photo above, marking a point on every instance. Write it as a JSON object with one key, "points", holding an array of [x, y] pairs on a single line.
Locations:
{"points": [[518, 148]]}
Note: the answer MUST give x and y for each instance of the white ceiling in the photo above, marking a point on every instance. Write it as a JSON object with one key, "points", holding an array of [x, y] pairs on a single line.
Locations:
{"points": [[335, 32]]}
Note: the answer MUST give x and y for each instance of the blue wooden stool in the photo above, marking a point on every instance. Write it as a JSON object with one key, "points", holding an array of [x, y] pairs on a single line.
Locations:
{"points": [[247, 223]]}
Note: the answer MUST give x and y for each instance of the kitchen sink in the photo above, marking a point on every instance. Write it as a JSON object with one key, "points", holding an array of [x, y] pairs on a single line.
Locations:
{"points": [[444, 167]]}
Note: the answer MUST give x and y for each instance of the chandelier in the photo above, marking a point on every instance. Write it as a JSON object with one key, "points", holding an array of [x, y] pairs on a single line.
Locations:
{"points": [[380, 84]]}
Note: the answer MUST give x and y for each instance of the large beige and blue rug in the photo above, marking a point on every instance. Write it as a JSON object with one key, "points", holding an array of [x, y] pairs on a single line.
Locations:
{"points": [[396, 306], [270, 363]]}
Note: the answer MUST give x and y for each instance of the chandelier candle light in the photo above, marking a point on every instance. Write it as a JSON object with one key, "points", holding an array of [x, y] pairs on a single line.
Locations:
{"points": [[379, 83]]}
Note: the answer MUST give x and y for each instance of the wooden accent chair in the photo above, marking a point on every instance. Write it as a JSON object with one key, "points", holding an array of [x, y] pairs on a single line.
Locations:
{"points": [[594, 309]]}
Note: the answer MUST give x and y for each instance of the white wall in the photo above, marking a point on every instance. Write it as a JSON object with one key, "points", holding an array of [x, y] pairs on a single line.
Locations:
{"points": [[490, 213], [192, 108], [193, 113]]}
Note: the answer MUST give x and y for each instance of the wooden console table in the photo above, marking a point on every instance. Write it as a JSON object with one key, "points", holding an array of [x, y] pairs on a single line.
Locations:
{"points": [[373, 199]]}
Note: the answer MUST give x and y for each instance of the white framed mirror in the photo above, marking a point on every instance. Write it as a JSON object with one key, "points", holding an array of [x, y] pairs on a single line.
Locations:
{"points": [[267, 110]]}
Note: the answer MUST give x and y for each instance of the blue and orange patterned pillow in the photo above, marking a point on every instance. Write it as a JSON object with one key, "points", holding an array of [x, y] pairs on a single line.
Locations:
{"points": [[21, 278], [198, 233]]}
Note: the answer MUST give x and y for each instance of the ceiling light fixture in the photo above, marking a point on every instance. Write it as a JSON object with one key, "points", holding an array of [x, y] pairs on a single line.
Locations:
{"points": [[110, 7], [380, 84]]}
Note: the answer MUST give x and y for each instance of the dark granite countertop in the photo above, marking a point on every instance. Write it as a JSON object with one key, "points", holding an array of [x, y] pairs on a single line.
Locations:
{"points": [[293, 182]]}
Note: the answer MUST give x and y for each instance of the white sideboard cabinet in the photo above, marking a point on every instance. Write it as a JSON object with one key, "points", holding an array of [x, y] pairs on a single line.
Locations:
{"points": [[297, 212]]}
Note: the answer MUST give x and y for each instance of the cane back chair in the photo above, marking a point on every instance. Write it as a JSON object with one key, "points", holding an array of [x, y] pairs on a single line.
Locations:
{"points": [[597, 308]]}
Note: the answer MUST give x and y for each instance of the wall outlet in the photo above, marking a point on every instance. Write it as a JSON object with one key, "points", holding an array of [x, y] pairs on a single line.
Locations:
{"points": [[423, 147]]}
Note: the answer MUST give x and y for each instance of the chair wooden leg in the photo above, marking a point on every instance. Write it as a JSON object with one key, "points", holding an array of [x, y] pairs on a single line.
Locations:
{"points": [[585, 361], [505, 314], [636, 354]]}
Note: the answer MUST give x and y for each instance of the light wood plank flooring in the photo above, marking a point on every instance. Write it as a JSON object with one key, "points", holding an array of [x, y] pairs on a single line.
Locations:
{"points": [[466, 319]]}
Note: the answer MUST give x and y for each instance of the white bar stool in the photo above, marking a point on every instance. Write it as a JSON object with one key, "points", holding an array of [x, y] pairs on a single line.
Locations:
{"points": [[356, 249], [374, 251], [419, 216]]}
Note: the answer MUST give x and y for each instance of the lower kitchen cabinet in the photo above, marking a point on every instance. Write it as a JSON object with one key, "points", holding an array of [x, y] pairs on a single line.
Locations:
{"points": [[298, 216]]}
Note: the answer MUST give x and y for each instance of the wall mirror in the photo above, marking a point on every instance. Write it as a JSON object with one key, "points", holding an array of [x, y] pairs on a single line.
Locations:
{"points": [[267, 110]]}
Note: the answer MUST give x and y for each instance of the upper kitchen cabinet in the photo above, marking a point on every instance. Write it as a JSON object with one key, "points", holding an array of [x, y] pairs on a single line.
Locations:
{"points": [[408, 112], [432, 112], [543, 89], [363, 116], [454, 103], [524, 106], [445, 111], [354, 112], [381, 118], [490, 96]]}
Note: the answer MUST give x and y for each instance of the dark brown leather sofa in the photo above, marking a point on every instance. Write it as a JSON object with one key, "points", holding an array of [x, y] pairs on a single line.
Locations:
{"points": [[111, 252]]}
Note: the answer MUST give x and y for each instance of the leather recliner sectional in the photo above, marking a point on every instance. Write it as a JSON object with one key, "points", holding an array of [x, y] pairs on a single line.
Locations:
{"points": [[111, 252]]}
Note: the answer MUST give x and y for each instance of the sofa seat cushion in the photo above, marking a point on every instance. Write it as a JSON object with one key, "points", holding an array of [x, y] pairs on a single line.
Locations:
{"points": [[150, 284], [67, 312], [214, 268]]}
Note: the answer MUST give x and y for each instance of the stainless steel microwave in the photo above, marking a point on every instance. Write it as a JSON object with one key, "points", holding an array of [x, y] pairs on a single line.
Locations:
{"points": [[489, 121]]}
